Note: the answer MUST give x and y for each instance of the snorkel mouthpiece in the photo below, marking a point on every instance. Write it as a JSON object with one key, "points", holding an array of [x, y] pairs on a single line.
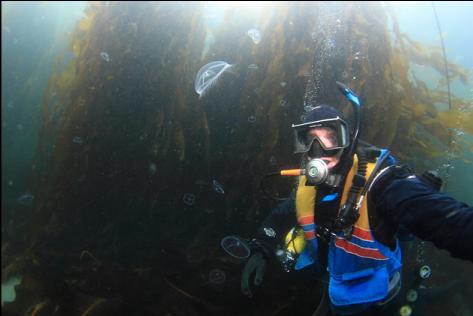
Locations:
{"points": [[316, 171]]}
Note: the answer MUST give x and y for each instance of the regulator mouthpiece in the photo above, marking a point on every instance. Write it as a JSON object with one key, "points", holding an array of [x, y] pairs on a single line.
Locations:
{"points": [[316, 171]]}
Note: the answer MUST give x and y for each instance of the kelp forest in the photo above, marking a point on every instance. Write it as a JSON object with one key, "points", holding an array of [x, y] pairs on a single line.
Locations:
{"points": [[138, 177]]}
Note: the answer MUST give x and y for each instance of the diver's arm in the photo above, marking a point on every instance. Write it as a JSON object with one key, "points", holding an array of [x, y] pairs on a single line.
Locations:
{"points": [[427, 213], [279, 221]]}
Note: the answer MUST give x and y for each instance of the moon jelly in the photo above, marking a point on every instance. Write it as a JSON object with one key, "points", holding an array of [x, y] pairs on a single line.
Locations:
{"points": [[105, 56], [208, 76], [255, 35]]}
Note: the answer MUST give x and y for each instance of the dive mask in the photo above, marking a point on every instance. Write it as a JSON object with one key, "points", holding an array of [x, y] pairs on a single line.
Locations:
{"points": [[321, 138]]}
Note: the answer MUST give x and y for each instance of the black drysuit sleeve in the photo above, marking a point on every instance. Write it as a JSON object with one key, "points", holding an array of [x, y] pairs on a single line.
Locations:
{"points": [[426, 213], [280, 220]]}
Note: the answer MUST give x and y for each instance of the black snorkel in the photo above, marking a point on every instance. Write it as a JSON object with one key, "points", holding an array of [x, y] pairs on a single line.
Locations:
{"points": [[348, 213]]}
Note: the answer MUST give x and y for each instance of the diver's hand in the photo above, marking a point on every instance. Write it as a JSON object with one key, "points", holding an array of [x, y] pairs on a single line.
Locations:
{"points": [[257, 264]]}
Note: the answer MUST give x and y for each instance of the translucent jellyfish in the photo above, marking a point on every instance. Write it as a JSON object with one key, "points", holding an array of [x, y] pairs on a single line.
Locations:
{"points": [[189, 199], [208, 76], [283, 103], [412, 295], [273, 161], [425, 272], [20, 127], [77, 140], [406, 310], [253, 66], [10, 183], [217, 276], [10, 104], [152, 168], [283, 84], [251, 119], [26, 199], [235, 247], [344, 75], [105, 56], [255, 35], [217, 187]]}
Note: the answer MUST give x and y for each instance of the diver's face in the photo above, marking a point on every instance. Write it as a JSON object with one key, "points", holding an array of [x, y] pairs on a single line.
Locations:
{"points": [[329, 139]]}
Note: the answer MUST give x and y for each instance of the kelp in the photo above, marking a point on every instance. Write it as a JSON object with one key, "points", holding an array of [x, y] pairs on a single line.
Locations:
{"points": [[124, 140]]}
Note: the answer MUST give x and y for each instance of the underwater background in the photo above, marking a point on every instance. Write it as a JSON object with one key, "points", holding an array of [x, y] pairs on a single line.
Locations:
{"points": [[135, 137]]}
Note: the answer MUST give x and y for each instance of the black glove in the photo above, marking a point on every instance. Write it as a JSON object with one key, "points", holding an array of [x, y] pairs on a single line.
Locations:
{"points": [[257, 264]]}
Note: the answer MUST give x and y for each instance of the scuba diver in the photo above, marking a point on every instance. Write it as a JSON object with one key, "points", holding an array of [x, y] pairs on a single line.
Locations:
{"points": [[350, 205]]}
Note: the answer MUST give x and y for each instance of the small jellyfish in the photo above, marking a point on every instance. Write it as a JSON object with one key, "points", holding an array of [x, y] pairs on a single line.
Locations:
{"points": [[189, 199], [152, 168], [10, 104], [217, 187], [273, 161], [425, 272], [26, 199], [283, 84], [20, 127], [255, 35], [208, 76], [253, 66], [217, 276], [344, 75], [354, 78], [105, 56], [406, 310], [235, 247], [251, 119], [313, 35], [77, 140], [412, 295], [10, 183], [283, 103]]}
